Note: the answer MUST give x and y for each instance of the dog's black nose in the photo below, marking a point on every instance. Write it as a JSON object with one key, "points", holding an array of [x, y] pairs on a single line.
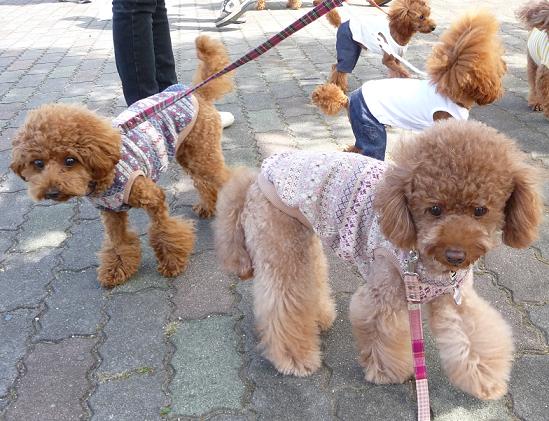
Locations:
{"points": [[455, 257], [433, 27], [52, 194]]}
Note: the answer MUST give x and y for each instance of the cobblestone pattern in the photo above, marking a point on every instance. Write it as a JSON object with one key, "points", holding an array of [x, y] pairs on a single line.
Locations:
{"points": [[182, 348]]}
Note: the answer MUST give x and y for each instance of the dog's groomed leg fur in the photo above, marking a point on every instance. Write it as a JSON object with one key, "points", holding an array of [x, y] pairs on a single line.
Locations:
{"points": [[379, 319], [230, 243], [121, 251], [172, 239], [475, 344], [286, 293]]}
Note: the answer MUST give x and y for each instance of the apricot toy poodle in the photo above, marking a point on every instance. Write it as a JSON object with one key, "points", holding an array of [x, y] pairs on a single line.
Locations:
{"points": [[65, 150], [536, 17], [450, 190], [464, 69], [404, 19]]}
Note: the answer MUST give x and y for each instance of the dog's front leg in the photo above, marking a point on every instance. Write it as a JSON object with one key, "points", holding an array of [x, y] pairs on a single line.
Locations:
{"points": [[396, 69], [474, 342], [121, 252], [379, 319], [172, 239]]}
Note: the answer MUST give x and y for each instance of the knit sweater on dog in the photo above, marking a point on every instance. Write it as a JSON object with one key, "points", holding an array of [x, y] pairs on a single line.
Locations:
{"points": [[538, 47], [333, 193], [146, 149]]}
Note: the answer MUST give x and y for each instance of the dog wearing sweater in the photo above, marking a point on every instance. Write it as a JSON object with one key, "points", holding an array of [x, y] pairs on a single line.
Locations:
{"points": [[465, 68], [536, 17], [65, 150], [450, 190], [404, 19]]}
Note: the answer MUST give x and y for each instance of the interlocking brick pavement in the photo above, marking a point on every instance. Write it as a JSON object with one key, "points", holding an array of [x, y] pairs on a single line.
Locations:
{"points": [[185, 348]]}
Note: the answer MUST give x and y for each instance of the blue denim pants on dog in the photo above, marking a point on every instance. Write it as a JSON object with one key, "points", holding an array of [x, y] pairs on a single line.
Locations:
{"points": [[370, 134], [347, 50], [142, 47]]}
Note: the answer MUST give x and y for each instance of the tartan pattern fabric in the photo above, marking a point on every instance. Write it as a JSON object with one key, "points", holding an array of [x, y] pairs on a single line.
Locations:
{"points": [[423, 407], [317, 12]]}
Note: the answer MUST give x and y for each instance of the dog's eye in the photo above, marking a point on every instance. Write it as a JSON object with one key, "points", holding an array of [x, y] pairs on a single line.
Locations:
{"points": [[435, 210], [38, 163], [480, 210], [70, 161], [421, 17]]}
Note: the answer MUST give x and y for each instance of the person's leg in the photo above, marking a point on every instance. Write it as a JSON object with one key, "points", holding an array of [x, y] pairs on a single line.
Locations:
{"points": [[370, 134], [163, 53], [133, 47]]}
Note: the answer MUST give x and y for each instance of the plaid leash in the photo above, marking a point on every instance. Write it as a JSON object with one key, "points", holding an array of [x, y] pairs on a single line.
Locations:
{"points": [[317, 12], [411, 284]]}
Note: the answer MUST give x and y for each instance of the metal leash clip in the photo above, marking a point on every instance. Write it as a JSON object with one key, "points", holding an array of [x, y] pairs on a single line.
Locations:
{"points": [[411, 278]]}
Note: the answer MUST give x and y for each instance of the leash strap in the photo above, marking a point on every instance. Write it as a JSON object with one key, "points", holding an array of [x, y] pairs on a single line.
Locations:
{"points": [[411, 285], [317, 12]]}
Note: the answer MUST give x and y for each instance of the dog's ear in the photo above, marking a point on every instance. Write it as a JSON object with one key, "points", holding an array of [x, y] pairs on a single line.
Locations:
{"points": [[392, 207], [523, 210], [18, 163]]}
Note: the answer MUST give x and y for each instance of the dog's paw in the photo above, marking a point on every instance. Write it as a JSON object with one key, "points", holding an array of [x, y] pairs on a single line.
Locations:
{"points": [[202, 211], [382, 377], [116, 269], [294, 4], [260, 5], [326, 317], [171, 266], [536, 106], [288, 365]]}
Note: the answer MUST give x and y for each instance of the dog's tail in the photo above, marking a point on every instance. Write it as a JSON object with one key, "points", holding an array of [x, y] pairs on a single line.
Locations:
{"points": [[332, 16], [228, 230], [535, 15], [330, 98], [467, 62], [213, 57]]}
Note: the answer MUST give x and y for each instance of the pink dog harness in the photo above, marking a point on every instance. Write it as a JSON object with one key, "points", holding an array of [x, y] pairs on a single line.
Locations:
{"points": [[333, 193], [147, 147]]}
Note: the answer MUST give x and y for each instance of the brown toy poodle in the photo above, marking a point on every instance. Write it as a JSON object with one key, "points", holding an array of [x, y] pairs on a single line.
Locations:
{"points": [[536, 17], [63, 151], [465, 68], [404, 19], [450, 190]]}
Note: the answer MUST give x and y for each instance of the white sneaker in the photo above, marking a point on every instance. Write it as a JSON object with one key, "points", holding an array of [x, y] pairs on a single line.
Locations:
{"points": [[231, 10], [227, 118]]}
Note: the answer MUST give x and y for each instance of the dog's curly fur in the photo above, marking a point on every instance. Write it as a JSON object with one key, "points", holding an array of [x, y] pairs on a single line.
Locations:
{"points": [[536, 15], [406, 18], [466, 66], [54, 131], [458, 166]]}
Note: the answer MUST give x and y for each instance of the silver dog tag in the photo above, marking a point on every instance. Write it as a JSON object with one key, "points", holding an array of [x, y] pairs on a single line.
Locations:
{"points": [[457, 295]]}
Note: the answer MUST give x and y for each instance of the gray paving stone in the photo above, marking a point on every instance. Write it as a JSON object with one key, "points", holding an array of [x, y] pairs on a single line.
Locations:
{"points": [[265, 120], [54, 382], [138, 397], [46, 226], [529, 387], [74, 306], [24, 277], [82, 245], [206, 364], [521, 272], [376, 403], [540, 317], [13, 207], [15, 329], [242, 156], [344, 277], [203, 289], [134, 332]]}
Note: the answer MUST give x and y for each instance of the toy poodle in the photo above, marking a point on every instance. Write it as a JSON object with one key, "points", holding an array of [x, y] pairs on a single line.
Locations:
{"points": [[464, 68], [536, 17], [403, 20], [66, 150], [449, 191]]}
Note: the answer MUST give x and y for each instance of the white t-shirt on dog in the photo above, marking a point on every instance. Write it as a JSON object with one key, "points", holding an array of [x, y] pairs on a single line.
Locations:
{"points": [[408, 103]]}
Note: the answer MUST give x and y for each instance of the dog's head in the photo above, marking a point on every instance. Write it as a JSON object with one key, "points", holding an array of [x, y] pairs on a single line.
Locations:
{"points": [[62, 150], [467, 64], [535, 15], [413, 15], [454, 186]]}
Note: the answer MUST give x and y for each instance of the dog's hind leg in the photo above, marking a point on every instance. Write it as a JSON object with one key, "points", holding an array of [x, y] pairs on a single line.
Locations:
{"points": [[121, 251], [201, 156], [379, 319], [326, 306], [172, 239], [542, 87], [533, 98], [475, 344], [286, 293], [294, 4]]}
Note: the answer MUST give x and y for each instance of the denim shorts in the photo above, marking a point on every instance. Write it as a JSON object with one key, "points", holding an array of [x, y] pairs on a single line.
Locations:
{"points": [[370, 134], [348, 51]]}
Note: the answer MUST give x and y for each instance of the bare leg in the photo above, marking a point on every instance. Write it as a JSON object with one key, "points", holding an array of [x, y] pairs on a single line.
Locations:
{"points": [[172, 239], [121, 252], [379, 318], [286, 293], [474, 342]]}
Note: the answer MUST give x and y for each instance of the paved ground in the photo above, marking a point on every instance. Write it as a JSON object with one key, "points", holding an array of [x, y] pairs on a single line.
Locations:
{"points": [[185, 347]]}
